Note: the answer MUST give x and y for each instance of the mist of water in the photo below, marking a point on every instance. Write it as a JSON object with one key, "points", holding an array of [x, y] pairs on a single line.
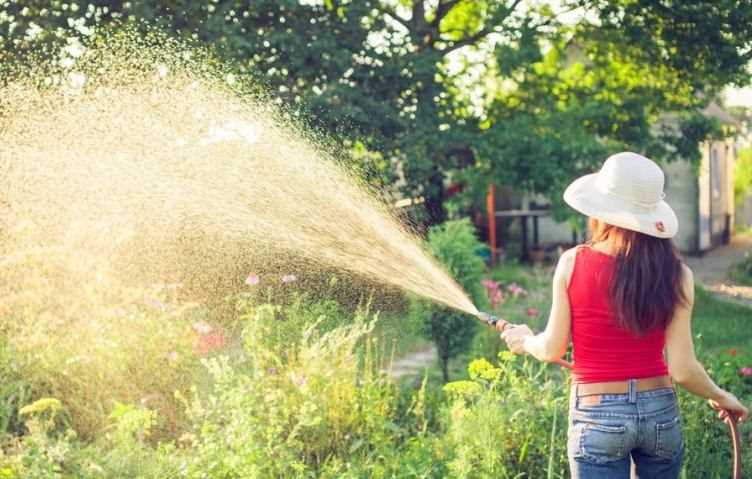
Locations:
{"points": [[158, 173]]}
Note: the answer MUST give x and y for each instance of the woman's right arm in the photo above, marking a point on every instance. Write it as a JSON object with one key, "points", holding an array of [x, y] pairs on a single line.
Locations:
{"points": [[683, 365]]}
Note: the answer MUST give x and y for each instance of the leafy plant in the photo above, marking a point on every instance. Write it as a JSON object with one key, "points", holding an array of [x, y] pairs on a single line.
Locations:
{"points": [[14, 391], [742, 272], [743, 175], [455, 245]]}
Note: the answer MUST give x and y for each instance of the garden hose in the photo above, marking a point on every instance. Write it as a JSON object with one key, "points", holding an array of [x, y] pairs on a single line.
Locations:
{"points": [[729, 419]]}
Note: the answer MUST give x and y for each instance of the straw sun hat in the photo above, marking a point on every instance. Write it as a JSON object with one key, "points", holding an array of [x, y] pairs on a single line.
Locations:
{"points": [[626, 192]]}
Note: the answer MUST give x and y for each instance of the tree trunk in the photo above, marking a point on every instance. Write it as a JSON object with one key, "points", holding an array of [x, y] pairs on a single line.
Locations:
{"points": [[434, 199], [444, 363]]}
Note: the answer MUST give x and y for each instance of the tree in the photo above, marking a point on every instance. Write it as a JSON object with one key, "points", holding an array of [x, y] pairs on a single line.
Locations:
{"points": [[455, 245], [490, 90]]}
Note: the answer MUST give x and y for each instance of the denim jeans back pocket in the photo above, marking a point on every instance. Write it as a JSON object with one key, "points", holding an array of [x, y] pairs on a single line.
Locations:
{"points": [[668, 438], [597, 443]]}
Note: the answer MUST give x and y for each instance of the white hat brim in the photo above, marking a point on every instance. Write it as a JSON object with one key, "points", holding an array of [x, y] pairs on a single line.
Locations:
{"points": [[584, 196]]}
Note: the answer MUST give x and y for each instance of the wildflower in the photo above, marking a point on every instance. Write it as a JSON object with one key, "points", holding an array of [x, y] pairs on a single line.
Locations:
{"points": [[298, 379], [493, 291], [289, 278], [496, 298], [732, 352], [746, 371], [172, 356], [533, 312], [516, 290], [202, 327], [252, 279], [209, 343]]}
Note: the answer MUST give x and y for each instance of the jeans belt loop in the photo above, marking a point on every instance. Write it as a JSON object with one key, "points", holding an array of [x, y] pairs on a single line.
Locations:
{"points": [[632, 390]]}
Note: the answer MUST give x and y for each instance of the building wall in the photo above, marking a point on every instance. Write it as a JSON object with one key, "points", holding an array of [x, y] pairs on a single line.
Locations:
{"points": [[682, 191]]}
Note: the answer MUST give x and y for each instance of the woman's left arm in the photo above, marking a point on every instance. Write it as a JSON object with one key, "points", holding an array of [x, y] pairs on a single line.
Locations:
{"points": [[551, 344]]}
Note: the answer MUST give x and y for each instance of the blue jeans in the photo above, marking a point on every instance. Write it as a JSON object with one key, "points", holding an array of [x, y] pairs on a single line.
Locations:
{"points": [[606, 430]]}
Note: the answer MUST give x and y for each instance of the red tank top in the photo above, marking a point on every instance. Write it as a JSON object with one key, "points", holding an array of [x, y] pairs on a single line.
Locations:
{"points": [[603, 351]]}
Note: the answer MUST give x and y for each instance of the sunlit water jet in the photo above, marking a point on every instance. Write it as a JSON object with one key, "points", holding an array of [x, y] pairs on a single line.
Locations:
{"points": [[159, 173]]}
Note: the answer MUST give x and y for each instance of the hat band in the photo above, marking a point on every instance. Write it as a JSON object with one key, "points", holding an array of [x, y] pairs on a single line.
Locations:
{"points": [[648, 206]]}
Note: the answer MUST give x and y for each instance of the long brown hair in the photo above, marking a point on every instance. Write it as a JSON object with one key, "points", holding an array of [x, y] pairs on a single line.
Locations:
{"points": [[647, 284]]}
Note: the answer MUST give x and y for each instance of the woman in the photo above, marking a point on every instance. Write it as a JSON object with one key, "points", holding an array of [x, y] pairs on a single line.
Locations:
{"points": [[624, 298]]}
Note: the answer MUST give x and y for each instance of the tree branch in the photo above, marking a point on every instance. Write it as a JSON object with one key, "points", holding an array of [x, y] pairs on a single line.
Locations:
{"points": [[442, 10], [467, 40], [484, 32], [419, 15], [387, 11]]}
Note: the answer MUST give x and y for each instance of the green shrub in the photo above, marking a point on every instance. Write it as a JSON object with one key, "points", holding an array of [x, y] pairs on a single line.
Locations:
{"points": [[508, 420], [455, 245], [743, 176], [706, 437], [14, 391], [80, 334], [288, 411], [742, 272]]}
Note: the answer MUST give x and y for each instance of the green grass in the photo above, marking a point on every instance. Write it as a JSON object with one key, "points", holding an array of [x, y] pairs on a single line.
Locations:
{"points": [[721, 324]]}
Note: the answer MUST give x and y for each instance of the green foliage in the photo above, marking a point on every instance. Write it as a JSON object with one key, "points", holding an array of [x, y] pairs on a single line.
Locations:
{"points": [[742, 272], [288, 413], [322, 407], [407, 100], [743, 175], [508, 420], [455, 245], [14, 391], [705, 435]]}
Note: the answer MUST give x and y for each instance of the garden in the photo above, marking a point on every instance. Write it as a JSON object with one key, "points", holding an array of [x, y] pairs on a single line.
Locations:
{"points": [[223, 224], [293, 385]]}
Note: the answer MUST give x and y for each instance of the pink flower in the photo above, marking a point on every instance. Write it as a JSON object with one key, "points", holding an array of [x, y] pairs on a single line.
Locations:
{"points": [[172, 356], [202, 327], [516, 290], [208, 343], [252, 279], [496, 298], [493, 291], [533, 312], [289, 278], [745, 371]]}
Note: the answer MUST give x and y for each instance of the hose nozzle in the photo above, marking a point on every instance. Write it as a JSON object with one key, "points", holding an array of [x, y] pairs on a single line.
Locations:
{"points": [[492, 320], [489, 318]]}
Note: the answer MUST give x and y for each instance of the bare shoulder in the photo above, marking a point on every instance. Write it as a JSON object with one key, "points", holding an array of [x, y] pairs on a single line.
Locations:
{"points": [[687, 275], [566, 264], [566, 260], [688, 283]]}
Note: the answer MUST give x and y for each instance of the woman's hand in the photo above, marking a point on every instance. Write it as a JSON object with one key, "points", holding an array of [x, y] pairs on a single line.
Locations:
{"points": [[515, 336], [502, 325], [729, 404]]}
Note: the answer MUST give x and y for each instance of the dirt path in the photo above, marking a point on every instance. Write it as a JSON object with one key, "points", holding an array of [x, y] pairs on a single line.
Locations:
{"points": [[711, 269]]}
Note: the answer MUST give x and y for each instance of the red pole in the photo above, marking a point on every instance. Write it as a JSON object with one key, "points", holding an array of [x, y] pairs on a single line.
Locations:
{"points": [[491, 211]]}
